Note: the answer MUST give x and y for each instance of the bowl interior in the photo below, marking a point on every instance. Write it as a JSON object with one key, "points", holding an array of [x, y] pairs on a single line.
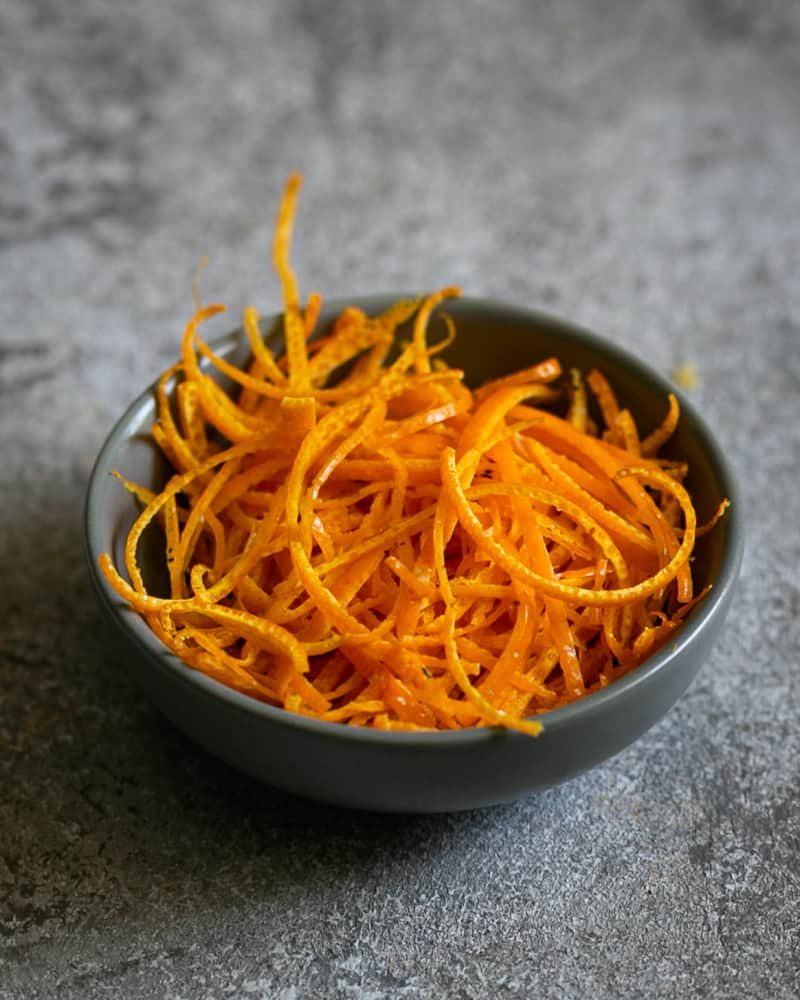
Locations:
{"points": [[492, 340]]}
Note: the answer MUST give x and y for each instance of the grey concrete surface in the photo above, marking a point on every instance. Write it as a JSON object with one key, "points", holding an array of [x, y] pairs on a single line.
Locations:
{"points": [[633, 166]]}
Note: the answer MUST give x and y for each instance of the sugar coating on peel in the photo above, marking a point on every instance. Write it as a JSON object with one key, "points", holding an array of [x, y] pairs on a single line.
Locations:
{"points": [[355, 535]]}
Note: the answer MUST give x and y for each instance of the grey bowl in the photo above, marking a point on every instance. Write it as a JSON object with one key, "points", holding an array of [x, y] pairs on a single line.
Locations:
{"points": [[427, 772]]}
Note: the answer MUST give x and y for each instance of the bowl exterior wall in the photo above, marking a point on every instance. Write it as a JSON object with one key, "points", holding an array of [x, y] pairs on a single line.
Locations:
{"points": [[412, 776]]}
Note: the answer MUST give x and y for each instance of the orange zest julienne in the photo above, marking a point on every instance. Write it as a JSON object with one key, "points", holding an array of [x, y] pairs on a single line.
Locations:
{"points": [[356, 536]]}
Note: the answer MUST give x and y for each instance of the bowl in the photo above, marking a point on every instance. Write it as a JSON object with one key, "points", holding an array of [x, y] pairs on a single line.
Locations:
{"points": [[426, 771]]}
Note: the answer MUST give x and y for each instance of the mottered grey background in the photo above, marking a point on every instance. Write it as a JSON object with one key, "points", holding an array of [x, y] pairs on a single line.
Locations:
{"points": [[632, 166]]}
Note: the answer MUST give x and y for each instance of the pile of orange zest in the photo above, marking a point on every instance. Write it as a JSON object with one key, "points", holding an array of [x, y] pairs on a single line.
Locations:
{"points": [[357, 536]]}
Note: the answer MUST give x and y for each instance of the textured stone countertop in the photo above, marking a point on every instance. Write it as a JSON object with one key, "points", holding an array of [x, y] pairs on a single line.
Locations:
{"points": [[631, 166]]}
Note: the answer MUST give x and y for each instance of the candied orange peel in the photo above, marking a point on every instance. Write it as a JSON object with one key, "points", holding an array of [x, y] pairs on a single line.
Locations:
{"points": [[356, 536]]}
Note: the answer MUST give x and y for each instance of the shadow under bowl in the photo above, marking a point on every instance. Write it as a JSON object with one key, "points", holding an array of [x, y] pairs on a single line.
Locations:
{"points": [[426, 771]]}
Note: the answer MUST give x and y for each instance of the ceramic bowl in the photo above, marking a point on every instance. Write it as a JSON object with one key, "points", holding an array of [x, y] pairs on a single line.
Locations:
{"points": [[435, 771]]}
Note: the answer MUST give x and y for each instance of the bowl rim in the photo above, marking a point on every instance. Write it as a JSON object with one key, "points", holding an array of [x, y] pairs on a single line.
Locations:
{"points": [[594, 704]]}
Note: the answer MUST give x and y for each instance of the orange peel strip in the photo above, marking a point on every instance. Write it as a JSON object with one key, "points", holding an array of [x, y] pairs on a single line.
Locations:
{"points": [[394, 549]]}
